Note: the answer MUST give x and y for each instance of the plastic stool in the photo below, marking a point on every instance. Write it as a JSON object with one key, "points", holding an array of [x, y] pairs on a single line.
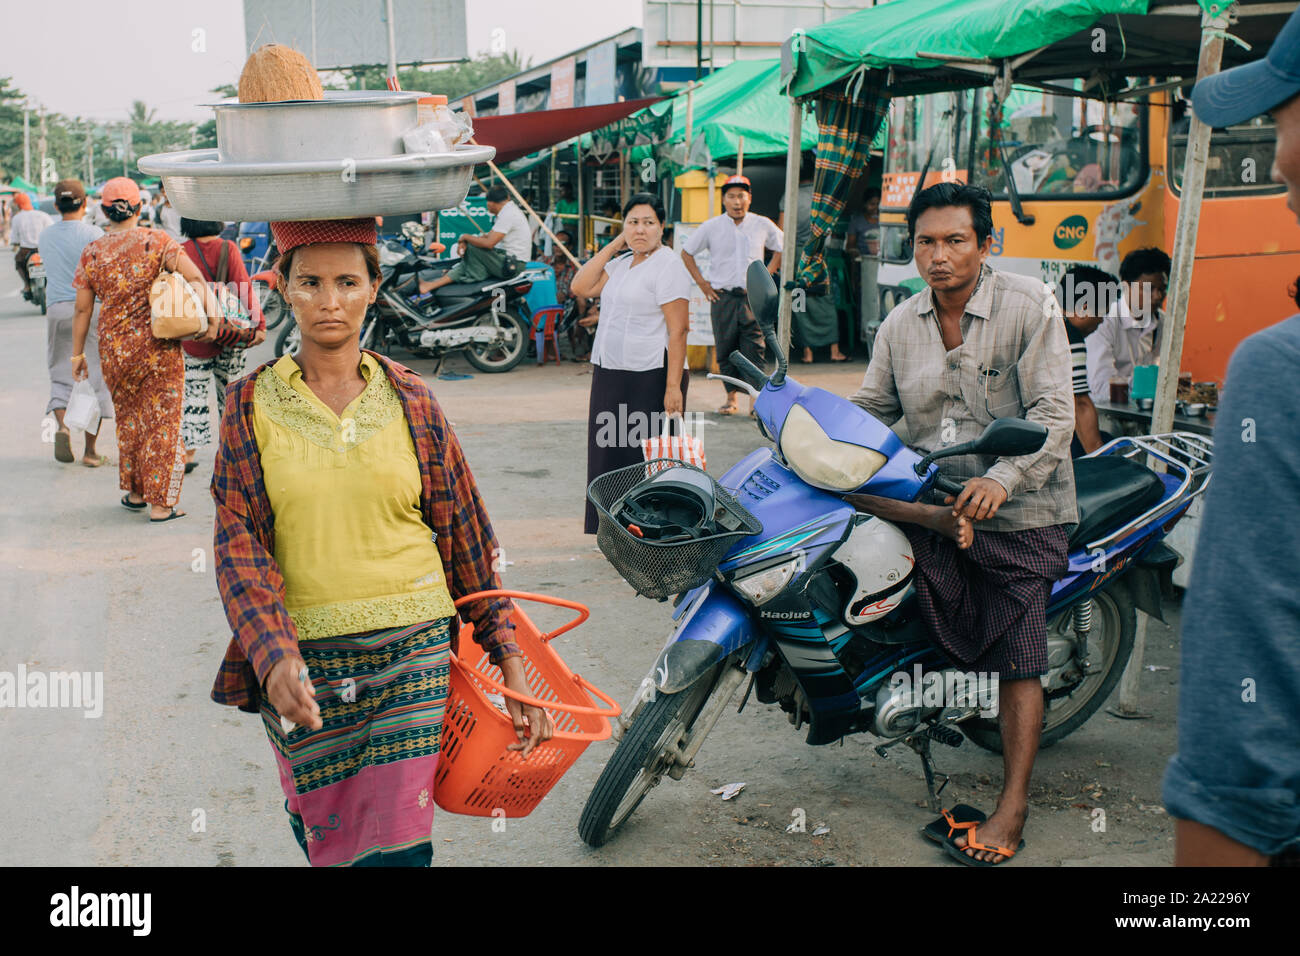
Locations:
{"points": [[544, 333]]}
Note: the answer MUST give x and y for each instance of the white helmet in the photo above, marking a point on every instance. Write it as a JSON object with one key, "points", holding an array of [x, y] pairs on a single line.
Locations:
{"points": [[879, 557]]}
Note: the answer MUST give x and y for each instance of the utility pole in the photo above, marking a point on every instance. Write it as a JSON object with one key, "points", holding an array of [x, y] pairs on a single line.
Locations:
{"points": [[126, 147], [40, 148], [392, 38], [27, 143], [90, 157]]}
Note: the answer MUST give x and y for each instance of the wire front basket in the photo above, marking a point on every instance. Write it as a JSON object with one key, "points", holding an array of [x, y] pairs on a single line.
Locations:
{"points": [[658, 569]]}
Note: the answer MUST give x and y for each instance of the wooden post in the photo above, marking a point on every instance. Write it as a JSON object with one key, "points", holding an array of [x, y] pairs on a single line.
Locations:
{"points": [[740, 156], [789, 258], [1171, 336]]}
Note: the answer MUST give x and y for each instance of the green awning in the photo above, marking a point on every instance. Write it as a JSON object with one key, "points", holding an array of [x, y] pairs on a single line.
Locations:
{"points": [[19, 183], [742, 99], [967, 42]]}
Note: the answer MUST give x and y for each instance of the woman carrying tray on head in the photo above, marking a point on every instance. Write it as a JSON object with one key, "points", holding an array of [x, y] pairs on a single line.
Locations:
{"points": [[341, 616]]}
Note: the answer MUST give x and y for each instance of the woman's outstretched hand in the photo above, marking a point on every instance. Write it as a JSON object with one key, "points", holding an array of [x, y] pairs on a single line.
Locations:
{"points": [[292, 698], [532, 724]]}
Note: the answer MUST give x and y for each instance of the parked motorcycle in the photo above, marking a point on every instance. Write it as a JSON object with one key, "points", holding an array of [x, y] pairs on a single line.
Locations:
{"points": [[488, 321], [36, 273], [815, 611]]}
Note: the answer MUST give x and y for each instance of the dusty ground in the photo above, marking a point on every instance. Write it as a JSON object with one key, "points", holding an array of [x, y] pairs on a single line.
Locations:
{"points": [[165, 776]]}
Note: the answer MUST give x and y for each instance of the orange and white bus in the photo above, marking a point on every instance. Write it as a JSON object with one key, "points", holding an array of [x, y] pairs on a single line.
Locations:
{"points": [[1093, 181]]}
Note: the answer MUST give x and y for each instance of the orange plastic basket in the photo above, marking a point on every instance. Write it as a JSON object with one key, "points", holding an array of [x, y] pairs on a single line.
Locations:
{"points": [[477, 775]]}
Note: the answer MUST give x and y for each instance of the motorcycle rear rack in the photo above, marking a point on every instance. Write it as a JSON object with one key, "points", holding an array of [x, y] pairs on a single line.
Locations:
{"points": [[1187, 453]]}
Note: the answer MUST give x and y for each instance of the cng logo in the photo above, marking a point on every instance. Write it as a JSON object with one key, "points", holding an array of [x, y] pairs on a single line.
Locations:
{"points": [[1070, 232]]}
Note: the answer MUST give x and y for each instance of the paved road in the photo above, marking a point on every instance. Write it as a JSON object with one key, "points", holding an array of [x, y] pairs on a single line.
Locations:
{"points": [[165, 776]]}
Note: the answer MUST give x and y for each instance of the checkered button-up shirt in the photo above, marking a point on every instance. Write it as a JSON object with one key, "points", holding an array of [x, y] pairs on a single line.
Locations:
{"points": [[1014, 362], [252, 589]]}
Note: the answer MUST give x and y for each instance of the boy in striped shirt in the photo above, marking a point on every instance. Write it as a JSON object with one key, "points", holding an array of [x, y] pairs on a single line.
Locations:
{"points": [[1086, 293]]}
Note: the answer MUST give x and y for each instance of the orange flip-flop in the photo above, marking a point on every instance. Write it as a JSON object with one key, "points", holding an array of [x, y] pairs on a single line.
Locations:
{"points": [[972, 843], [961, 817]]}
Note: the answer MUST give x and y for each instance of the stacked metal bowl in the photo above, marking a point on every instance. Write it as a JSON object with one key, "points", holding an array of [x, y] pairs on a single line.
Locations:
{"points": [[315, 159]]}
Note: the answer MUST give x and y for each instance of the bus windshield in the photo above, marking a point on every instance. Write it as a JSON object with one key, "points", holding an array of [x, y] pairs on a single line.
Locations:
{"points": [[1055, 146]]}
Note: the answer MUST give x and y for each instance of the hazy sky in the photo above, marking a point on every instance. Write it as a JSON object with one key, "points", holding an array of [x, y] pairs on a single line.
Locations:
{"points": [[151, 58]]}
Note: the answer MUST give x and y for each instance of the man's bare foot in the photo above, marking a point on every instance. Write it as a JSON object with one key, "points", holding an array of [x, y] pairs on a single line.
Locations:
{"points": [[730, 408], [960, 529], [1002, 829], [807, 356], [837, 355]]}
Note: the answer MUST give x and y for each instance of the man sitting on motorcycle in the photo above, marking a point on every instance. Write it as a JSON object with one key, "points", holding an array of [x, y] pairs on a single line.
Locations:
{"points": [[972, 346], [484, 257]]}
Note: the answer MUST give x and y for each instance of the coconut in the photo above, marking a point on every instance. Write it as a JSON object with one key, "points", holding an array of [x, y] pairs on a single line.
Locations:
{"points": [[275, 73]]}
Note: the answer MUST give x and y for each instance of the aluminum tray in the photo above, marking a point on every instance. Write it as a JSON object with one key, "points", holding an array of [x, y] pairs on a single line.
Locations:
{"points": [[362, 124], [202, 186]]}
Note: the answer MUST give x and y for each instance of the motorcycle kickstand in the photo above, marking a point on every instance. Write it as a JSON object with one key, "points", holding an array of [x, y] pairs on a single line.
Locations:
{"points": [[919, 742]]}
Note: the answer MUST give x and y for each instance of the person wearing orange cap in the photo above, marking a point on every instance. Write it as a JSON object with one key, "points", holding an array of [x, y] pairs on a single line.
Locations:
{"points": [[24, 231], [348, 523], [144, 375], [733, 240]]}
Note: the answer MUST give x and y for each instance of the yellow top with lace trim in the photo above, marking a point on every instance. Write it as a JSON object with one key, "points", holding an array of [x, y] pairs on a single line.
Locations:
{"points": [[351, 543]]}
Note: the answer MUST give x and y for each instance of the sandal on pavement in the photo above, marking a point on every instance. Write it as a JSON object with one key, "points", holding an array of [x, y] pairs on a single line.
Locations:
{"points": [[729, 410], [190, 466], [170, 515], [961, 817], [97, 462], [133, 505], [972, 843], [63, 447]]}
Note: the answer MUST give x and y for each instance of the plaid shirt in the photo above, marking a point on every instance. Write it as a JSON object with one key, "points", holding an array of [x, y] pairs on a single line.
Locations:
{"points": [[1014, 362], [251, 587]]}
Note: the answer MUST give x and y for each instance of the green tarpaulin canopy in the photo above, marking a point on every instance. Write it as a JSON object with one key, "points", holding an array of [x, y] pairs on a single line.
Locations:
{"points": [[742, 99], [967, 41], [19, 183]]}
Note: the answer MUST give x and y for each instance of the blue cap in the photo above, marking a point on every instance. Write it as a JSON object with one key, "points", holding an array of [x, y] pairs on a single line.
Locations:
{"points": [[1243, 92]]}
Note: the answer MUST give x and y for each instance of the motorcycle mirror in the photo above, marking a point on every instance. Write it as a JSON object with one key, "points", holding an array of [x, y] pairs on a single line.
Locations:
{"points": [[763, 295], [1003, 437], [1006, 437]]}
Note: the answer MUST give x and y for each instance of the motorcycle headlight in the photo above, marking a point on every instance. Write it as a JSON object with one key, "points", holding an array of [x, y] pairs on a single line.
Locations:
{"points": [[820, 460], [761, 586]]}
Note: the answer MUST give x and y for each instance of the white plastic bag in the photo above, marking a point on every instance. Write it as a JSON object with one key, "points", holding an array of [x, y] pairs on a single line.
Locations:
{"points": [[425, 138], [83, 407]]}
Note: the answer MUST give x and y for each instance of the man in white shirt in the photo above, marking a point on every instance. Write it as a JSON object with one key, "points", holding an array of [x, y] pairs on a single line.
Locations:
{"points": [[484, 256], [1129, 335], [24, 231], [734, 240]]}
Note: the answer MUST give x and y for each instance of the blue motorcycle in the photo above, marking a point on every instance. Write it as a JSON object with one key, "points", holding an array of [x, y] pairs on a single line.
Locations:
{"points": [[785, 588]]}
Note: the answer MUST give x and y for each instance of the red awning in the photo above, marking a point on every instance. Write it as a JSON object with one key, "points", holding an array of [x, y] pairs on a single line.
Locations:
{"points": [[523, 133]]}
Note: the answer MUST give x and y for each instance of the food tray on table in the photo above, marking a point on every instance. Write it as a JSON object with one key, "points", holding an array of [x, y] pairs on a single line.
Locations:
{"points": [[338, 157]]}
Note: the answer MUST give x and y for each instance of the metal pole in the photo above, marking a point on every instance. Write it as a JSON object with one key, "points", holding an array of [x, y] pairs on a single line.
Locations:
{"points": [[40, 148], [699, 37], [789, 259], [582, 222], [690, 119], [90, 157], [27, 142], [1180, 280], [392, 38], [708, 171]]}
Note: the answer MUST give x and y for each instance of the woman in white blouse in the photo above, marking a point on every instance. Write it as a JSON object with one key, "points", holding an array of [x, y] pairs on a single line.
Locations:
{"points": [[639, 354]]}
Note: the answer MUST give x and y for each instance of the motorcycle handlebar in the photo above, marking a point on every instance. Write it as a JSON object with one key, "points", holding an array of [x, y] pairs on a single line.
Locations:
{"points": [[748, 370], [948, 485]]}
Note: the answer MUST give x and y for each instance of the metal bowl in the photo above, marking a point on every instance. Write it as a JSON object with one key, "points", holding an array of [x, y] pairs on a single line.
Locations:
{"points": [[355, 124], [201, 186], [1143, 404], [1194, 410]]}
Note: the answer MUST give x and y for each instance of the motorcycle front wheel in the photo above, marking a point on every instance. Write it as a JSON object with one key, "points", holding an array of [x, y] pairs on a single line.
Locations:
{"points": [[274, 308], [288, 340], [642, 758], [502, 358], [1110, 642]]}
